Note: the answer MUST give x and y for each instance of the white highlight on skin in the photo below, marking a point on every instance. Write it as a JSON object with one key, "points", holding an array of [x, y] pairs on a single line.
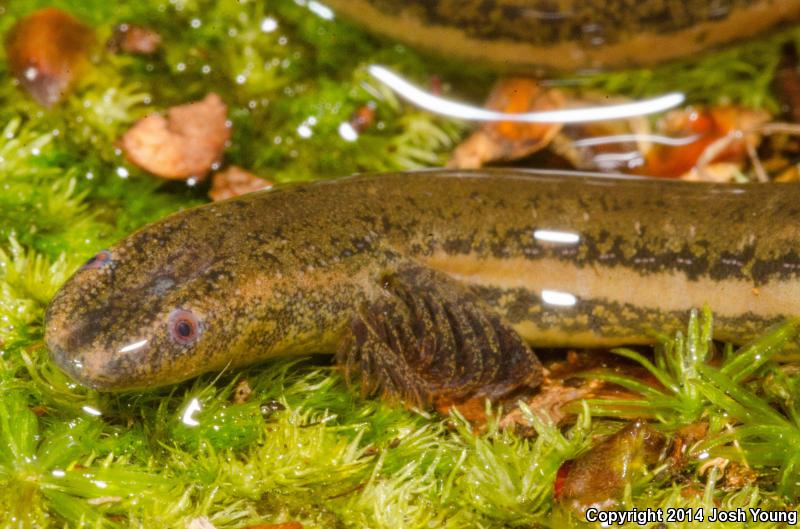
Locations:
{"points": [[133, 346], [92, 411], [446, 107], [191, 409], [556, 297], [564, 237]]}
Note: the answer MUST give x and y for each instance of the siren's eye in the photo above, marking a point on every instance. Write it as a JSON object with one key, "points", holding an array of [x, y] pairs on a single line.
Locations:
{"points": [[100, 260], [184, 327]]}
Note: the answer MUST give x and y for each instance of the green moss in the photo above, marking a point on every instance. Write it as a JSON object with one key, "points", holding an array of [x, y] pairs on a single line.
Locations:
{"points": [[304, 447]]}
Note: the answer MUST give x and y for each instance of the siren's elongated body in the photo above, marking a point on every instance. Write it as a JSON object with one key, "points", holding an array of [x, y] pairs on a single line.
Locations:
{"points": [[416, 264], [569, 34]]}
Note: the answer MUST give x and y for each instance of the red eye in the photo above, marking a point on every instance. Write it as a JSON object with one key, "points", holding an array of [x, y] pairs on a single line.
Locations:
{"points": [[98, 261], [184, 327]]}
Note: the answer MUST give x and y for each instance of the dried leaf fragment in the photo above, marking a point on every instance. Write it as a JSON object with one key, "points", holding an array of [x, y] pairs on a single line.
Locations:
{"points": [[235, 181], [134, 39], [47, 51], [242, 392], [185, 144], [505, 140], [723, 134], [598, 477]]}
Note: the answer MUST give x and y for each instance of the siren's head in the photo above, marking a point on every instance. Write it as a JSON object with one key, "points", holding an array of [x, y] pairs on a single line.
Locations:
{"points": [[161, 306]]}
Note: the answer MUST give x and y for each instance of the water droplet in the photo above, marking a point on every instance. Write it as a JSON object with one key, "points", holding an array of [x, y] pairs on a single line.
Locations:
{"points": [[304, 131], [92, 411], [122, 172], [320, 9], [269, 24], [206, 69], [196, 23], [180, 66], [191, 409], [347, 132], [31, 73]]}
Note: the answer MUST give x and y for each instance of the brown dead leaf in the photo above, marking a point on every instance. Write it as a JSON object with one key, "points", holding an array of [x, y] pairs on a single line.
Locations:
{"points": [[737, 476], [724, 134], [722, 172], [133, 39], [791, 174], [235, 181], [507, 140], [599, 476], [185, 144], [568, 381], [47, 51], [362, 118], [473, 409]]}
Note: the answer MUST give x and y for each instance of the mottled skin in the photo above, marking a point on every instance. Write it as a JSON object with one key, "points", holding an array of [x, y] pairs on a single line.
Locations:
{"points": [[569, 34], [290, 270]]}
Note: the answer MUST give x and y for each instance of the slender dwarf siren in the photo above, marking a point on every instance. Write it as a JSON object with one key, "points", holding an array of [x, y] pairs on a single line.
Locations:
{"points": [[569, 35], [429, 284]]}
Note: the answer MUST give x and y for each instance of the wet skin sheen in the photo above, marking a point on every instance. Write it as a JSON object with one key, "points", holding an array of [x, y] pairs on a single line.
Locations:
{"points": [[563, 260], [568, 34]]}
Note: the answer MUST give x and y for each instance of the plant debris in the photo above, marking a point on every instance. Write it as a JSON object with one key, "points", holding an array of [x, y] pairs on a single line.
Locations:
{"points": [[235, 181], [599, 477], [506, 140], [134, 39], [187, 143], [723, 134], [47, 52]]}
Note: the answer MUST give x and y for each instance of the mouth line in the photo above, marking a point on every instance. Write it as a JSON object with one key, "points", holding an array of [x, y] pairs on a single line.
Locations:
{"points": [[70, 365]]}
